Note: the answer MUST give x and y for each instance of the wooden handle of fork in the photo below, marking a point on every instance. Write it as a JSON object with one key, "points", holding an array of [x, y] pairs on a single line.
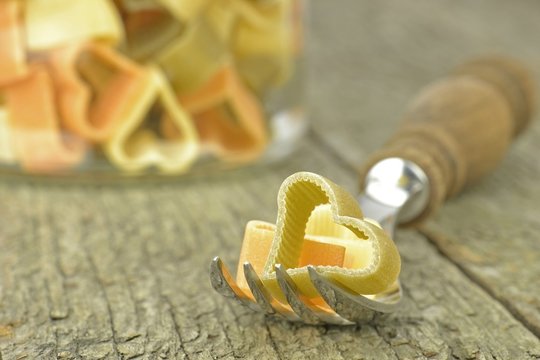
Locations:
{"points": [[459, 128]]}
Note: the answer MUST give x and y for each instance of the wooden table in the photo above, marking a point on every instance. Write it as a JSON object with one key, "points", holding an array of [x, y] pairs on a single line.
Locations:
{"points": [[120, 271]]}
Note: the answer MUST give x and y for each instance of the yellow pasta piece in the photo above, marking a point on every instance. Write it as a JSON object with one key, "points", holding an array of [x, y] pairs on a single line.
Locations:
{"points": [[228, 117], [263, 42], [152, 24], [96, 88], [54, 23], [185, 10], [193, 58], [221, 16], [138, 5], [13, 57], [149, 28], [7, 153], [311, 207], [136, 146]]}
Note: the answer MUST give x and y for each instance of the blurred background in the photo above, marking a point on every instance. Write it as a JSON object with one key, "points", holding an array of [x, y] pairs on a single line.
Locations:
{"points": [[381, 54]]}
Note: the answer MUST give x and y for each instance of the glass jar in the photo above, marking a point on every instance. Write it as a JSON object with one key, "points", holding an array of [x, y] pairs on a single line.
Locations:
{"points": [[131, 87]]}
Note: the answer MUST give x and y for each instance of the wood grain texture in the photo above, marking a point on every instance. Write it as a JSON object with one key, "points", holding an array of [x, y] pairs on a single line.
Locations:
{"points": [[511, 79], [120, 272], [457, 129], [491, 231]]}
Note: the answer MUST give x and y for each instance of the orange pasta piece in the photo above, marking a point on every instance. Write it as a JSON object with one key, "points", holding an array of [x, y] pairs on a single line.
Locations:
{"points": [[228, 117], [138, 144], [257, 243], [39, 144], [322, 254], [13, 58], [115, 82]]}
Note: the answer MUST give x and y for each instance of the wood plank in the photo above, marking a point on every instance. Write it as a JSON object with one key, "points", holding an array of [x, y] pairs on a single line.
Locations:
{"points": [[120, 271], [491, 231]]}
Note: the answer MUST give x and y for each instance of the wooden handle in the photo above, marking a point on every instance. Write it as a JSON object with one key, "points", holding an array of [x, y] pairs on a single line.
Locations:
{"points": [[459, 128]]}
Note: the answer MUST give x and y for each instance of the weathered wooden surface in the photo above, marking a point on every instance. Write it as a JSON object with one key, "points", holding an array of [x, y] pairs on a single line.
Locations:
{"points": [[111, 271], [492, 230], [121, 272], [496, 239]]}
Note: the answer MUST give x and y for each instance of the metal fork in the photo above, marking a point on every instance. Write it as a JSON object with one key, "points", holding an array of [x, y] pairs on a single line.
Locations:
{"points": [[455, 131], [344, 307]]}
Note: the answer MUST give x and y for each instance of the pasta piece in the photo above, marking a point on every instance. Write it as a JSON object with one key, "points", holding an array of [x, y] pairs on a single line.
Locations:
{"points": [[97, 88], [7, 151], [149, 27], [263, 43], [13, 60], [138, 5], [137, 145], [193, 58], [258, 241], [35, 128], [221, 17], [228, 117], [185, 10], [55, 23], [313, 210]]}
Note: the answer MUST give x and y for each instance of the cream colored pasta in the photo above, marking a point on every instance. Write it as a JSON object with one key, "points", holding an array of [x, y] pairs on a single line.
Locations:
{"points": [[53, 23], [349, 249], [136, 146]]}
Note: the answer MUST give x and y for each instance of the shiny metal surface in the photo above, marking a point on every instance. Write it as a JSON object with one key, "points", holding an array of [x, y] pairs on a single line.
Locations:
{"points": [[263, 298], [353, 307], [224, 284], [343, 306], [399, 184], [309, 312]]}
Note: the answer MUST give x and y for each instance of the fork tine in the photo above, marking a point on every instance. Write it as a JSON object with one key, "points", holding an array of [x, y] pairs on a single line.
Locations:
{"points": [[357, 308], [224, 284], [263, 298], [302, 306], [348, 307]]}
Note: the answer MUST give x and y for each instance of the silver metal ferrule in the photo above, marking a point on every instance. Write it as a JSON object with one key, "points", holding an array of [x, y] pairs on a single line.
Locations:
{"points": [[401, 184]]}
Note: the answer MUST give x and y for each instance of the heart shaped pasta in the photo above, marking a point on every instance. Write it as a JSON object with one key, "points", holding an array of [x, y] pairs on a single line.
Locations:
{"points": [[149, 27], [96, 87], [263, 43], [138, 144], [37, 138], [228, 117], [321, 224], [191, 59]]}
